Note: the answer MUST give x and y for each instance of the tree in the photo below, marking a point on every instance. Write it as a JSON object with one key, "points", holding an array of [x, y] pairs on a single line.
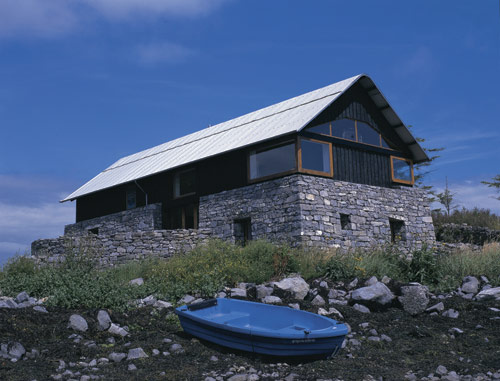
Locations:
{"points": [[495, 183], [446, 199]]}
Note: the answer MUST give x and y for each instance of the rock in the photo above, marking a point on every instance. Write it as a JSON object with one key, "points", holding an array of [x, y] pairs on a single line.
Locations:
{"points": [[40, 309], [492, 293], [136, 353], [155, 352], [272, 300], [375, 339], [451, 313], [297, 286], [263, 291], [451, 376], [103, 320], [353, 284], [386, 280], [361, 308], [414, 298], [176, 349], [441, 370], [331, 311], [186, 299], [384, 337], [371, 281], [78, 323], [470, 285], [22, 297], [6, 302], [377, 293], [148, 300], [295, 306], [214, 359], [484, 279], [15, 350], [115, 329], [323, 284], [238, 377], [238, 293], [136, 282], [436, 307], [318, 301], [455, 330], [131, 367], [117, 357], [161, 304]]}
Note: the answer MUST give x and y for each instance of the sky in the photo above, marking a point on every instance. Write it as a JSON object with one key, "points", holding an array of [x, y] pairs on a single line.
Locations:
{"points": [[85, 82]]}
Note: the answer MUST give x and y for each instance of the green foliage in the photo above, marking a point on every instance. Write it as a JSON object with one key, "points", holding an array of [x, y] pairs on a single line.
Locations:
{"points": [[473, 217], [494, 183], [447, 199], [421, 267]]}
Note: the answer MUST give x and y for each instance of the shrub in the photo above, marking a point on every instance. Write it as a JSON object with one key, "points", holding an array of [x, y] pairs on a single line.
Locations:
{"points": [[472, 217]]}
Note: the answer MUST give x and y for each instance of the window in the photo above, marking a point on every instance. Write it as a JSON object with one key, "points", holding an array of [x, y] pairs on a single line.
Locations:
{"points": [[184, 183], [315, 157], [131, 199], [345, 221], [272, 161], [351, 129], [401, 170], [397, 230], [184, 217], [242, 231], [94, 231]]}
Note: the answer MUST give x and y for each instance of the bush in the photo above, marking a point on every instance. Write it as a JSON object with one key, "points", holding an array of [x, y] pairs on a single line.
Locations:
{"points": [[472, 217]]}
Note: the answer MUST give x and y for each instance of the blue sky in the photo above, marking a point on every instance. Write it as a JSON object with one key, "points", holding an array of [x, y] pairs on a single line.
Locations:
{"points": [[85, 82]]}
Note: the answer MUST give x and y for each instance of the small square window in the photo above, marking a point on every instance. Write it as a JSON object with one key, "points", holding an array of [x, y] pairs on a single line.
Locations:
{"points": [[94, 231], [242, 231], [397, 230], [184, 183], [345, 221]]}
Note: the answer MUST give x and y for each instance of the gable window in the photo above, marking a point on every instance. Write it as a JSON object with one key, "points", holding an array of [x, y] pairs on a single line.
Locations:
{"points": [[352, 129], [131, 199], [402, 170], [272, 161], [315, 157], [184, 183]]}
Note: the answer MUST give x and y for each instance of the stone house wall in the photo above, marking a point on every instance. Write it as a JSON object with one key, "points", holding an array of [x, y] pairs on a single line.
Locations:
{"points": [[306, 210], [146, 218]]}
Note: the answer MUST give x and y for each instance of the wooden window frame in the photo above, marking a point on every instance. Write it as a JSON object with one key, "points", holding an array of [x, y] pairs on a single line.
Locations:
{"points": [[394, 179], [312, 171], [274, 175], [185, 194]]}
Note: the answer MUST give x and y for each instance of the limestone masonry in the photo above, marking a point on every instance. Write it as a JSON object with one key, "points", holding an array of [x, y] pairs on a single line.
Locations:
{"points": [[296, 209]]}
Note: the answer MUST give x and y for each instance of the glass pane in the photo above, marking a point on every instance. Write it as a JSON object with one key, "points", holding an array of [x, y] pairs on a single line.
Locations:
{"points": [[321, 129], [272, 161], [315, 155], [344, 128], [402, 169], [366, 134], [131, 199], [184, 183], [384, 143]]}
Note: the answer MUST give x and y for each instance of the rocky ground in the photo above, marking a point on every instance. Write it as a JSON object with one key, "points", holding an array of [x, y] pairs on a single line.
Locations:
{"points": [[398, 332]]}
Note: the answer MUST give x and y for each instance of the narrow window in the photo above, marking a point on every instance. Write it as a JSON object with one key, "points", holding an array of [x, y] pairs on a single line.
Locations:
{"points": [[131, 199], [184, 183], [315, 157], [397, 230], [242, 231], [94, 231], [401, 170], [345, 221], [272, 161]]}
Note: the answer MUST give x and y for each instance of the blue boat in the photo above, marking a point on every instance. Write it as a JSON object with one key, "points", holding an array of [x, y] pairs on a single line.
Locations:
{"points": [[262, 328]]}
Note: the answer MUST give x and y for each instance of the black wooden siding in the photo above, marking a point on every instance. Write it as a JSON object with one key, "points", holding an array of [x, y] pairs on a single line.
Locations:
{"points": [[363, 167]]}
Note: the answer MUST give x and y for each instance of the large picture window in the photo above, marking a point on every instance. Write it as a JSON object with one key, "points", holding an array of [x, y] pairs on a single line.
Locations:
{"points": [[272, 161], [402, 170], [315, 157], [184, 183]]}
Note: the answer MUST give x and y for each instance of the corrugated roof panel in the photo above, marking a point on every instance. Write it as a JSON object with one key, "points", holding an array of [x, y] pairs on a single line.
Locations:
{"points": [[282, 118]]}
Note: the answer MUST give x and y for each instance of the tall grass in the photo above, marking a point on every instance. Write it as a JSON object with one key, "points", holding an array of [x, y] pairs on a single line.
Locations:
{"points": [[78, 282], [472, 217]]}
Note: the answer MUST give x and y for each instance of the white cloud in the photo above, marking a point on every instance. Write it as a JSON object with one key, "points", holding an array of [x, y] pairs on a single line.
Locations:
{"points": [[164, 52], [49, 18], [473, 195]]}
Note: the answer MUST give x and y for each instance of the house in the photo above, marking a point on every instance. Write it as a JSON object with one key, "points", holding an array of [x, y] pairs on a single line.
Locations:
{"points": [[332, 167]]}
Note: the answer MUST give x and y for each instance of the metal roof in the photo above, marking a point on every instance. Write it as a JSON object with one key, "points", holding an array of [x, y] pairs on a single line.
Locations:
{"points": [[279, 119]]}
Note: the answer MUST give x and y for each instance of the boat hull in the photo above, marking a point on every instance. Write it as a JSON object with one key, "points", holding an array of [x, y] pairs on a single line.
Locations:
{"points": [[274, 342]]}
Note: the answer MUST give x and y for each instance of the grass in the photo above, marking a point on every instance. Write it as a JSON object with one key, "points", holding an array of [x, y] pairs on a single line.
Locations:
{"points": [[472, 217], [209, 268]]}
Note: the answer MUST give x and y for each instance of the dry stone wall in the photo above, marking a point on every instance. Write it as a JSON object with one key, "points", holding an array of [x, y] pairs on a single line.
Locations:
{"points": [[316, 211], [146, 218], [120, 248]]}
